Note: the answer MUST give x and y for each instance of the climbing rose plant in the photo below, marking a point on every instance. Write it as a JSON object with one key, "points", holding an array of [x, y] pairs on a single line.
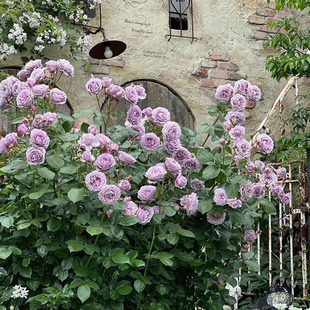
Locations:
{"points": [[140, 216]]}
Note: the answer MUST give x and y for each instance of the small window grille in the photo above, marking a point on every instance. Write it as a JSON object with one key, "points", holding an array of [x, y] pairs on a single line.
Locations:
{"points": [[181, 19]]}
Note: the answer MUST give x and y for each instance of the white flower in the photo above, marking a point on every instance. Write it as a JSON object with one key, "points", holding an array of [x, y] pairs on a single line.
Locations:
{"points": [[19, 292], [234, 291]]}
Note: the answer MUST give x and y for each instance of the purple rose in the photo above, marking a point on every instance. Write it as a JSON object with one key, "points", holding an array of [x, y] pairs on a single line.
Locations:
{"points": [[109, 194], [5, 88], [172, 146], [23, 129], [220, 197], [180, 181], [147, 193], [150, 142], [37, 75], [95, 181], [10, 139], [131, 210], [33, 64], [281, 172], [106, 81], [250, 167], [227, 125], [173, 166], [264, 144], [39, 138], [50, 117], [94, 86], [259, 165], [131, 95], [105, 162], [51, 66], [25, 99], [17, 86], [23, 75], [276, 190], [88, 141], [268, 178], [241, 87], [109, 212], [160, 116], [155, 174], [171, 131], [250, 236], [234, 203], [92, 129], [139, 128], [126, 159], [145, 214], [103, 139], [40, 91], [134, 115], [124, 186], [189, 203], [246, 190], [215, 220], [57, 96], [238, 103], [236, 118], [65, 67], [140, 91], [285, 198], [224, 93], [254, 93], [197, 185], [259, 190], [35, 155], [112, 148], [191, 164], [147, 111], [181, 155], [39, 122], [115, 91], [3, 148], [242, 148], [87, 157]]}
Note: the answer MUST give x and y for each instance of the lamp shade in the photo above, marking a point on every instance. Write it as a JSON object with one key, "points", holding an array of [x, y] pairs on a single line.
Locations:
{"points": [[103, 50]]}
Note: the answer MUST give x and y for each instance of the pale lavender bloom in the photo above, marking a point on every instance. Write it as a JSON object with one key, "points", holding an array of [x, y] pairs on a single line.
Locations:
{"points": [[37, 75], [51, 66], [176, 207], [250, 167], [268, 178], [259, 190], [180, 181], [238, 103], [6, 88], [88, 141], [39, 138], [160, 116], [236, 159], [172, 146], [155, 174], [276, 190], [260, 166], [25, 99], [87, 157], [23, 129], [246, 190], [281, 172], [17, 86], [125, 158], [23, 75], [92, 129], [197, 185], [191, 164], [4, 102], [109, 194], [124, 186], [215, 220], [285, 198], [35, 155], [140, 91], [10, 139], [65, 67], [242, 86], [103, 139], [112, 148], [189, 203], [220, 197], [224, 93], [173, 166], [145, 214], [181, 155], [134, 115], [147, 111], [250, 236], [109, 212], [33, 64], [242, 148], [39, 122], [50, 117], [95, 181], [3, 148], [106, 81], [234, 203], [131, 95], [254, 93], [147, 193], [57, 96], [150, 142], [131, 210], [236, 118], [139, 128], [264, 144], [227, 125], [171, 131], [115, 91], [40, 91], [94, 86], [105, 162]]}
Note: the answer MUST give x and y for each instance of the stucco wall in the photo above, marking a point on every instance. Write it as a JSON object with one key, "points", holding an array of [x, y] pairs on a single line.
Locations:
{"points": [[220, 27]]}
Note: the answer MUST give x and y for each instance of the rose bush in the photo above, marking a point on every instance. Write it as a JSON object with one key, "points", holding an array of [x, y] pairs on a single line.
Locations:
{"points": [[141, 216]]}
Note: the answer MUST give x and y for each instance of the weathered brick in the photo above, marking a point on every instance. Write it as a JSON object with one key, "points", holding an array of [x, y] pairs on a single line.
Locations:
{"points": [[265, 12], [269, 30], [283, 14], [234, 76], [201, 72], [94, 61], [207, 83], [272, 5], [219, 74], [228, 66], [269, 19], [306, 80], [100, 70], [259, 35], [219, 56], [114, 62], [250, 104], [208, 64], [255, 19], [282, 30]]}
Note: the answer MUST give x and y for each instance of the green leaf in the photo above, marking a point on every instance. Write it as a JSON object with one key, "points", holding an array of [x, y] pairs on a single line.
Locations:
{"points": [[68, 170], [252, 265], [119, 206], [204, 206], [98, 119], [186, 233], [121, 259], [69, 137], [170, 211], [82, 113], [25, 272], [5, 253], [6, 221], [204, 156], [125, 290], [75, 245], [139, 285], [76, 194], [3, 272], [128, 220], [33, 284], [53, 224], [93, 231], [268, 206], [23, 225], [210, 173], [55, 161], [173, 239], [83, 293], [46, 173], [42, 250], [37, 195]]}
